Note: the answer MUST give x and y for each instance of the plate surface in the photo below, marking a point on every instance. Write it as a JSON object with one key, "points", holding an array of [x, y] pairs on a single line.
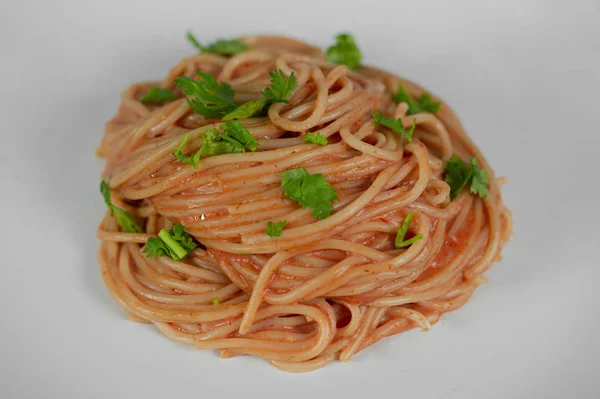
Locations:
{"points": [[524, 77]]}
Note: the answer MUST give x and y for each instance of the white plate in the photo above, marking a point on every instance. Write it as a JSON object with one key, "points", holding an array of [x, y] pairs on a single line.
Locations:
{"points": [[524, 77]]}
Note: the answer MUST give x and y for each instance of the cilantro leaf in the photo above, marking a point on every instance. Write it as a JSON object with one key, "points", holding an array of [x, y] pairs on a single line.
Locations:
{"points": [[400, 242], [213, 144], [311, 191], [194, 159], [281, 87], [275, 229], [215, 300], [280, 90], [221, 47], [209, 98], [226, 47], [293, 176], [235, 139], [182, 237], [105, 191], [315, 138], [422, 104], [158, 95], [192, 39], [248, 110], [480, 179], [459, 175], [395, 124], [236, 132], [402, 96], [156, 247], [175, 243], [344, 51], [427, 104], [125, 219]]}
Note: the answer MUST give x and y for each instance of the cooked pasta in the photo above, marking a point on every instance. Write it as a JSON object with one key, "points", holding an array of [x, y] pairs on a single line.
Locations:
{"points": [[392, 248]]}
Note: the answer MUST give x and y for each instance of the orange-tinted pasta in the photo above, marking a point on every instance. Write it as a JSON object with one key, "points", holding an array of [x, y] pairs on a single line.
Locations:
{"points": [[325, 289]]}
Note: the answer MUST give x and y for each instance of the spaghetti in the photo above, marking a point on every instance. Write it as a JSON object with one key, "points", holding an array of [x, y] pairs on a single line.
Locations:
{"points": [[325, 288]]}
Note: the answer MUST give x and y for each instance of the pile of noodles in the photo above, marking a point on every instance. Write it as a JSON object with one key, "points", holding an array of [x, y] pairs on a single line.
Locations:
{"points": [[324, 289]]}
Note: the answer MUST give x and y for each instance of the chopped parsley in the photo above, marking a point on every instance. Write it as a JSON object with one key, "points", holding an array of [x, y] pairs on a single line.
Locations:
{"points": [[422, 104], [480, 179], [236, 132], [126, 220], [234, 139], [400, 241], [214, 143], [311, 191], [221, 47], [315, 138], [158, 95], [248, 110], [459, 174], [280, 90], [395, 124], [194, 159], [275, 229], [344, 51], [208, 97], [174, 243]]}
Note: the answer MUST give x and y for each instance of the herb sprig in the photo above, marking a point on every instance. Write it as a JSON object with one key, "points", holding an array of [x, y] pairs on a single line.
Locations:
{"points": [[280, 90], [344, 51], [400, 241], [395, 124], [311, 191], [206, 96], [459, 174], [221, 47], [315, 138], [125, 219], [275, 229], [424, 103], [234, 139], [158, 95], [175, 243]]}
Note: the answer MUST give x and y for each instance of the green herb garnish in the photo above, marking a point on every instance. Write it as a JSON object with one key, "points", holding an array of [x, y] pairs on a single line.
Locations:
{"points": [[280, 90], [194, 159], [480, 179], [395, 124], [281, 87], [315, 138], [311, 191], [221, 47], [192, 39], [422, 104], [459, 174], [174, 243], [248, 110], [209, 98], [213, 143], [344, 51], [126, 220], [400, 241], [236, 132], [158, 95], [275, 229], [234, 139]]}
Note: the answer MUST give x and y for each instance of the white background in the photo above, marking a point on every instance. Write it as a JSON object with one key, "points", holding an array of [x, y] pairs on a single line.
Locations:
{"points": [[523, 75]]}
